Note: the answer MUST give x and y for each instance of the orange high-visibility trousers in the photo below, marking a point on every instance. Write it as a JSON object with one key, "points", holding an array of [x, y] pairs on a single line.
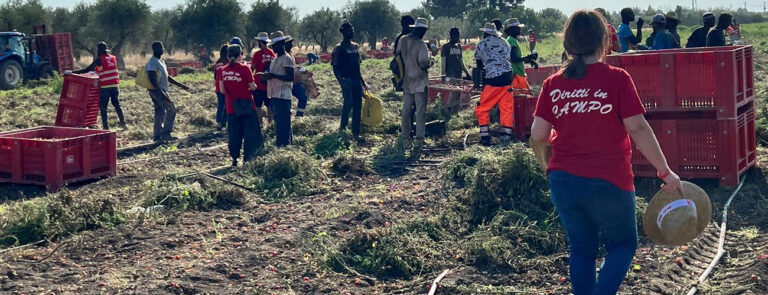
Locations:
{"points": [[489, 98], [520, 83]]}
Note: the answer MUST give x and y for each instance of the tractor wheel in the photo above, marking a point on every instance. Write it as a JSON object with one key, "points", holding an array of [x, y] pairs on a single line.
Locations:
{"points": [[45, 72], [11, 74]]}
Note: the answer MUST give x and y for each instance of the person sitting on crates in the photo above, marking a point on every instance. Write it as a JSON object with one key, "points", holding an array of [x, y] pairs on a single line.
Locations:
{"points": [[452, 64], [595, 110], [628, 40], [716, 35], [699, 36], [105, 65], [512, 28], [492, 55]]}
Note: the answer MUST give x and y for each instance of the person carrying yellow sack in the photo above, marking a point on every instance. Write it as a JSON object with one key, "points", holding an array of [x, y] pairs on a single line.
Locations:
{"points": [[493, 55]]}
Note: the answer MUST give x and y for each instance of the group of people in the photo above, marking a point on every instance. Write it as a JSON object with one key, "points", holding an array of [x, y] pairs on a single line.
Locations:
{"points": [[665, 35]]}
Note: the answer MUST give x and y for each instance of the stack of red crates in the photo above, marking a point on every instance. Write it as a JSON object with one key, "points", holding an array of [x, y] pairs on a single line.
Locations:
{"points": [[56, 156], [701, 105], [79, 101]]}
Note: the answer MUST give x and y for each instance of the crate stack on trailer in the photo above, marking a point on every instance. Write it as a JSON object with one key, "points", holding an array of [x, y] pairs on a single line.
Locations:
{"points": [[701, 106]]}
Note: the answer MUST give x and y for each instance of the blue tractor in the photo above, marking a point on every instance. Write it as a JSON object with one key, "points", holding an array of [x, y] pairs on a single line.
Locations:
{"points": [[18, 63]]}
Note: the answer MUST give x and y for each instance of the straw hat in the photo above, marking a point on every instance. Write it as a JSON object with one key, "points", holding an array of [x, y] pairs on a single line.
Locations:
{"points": [[490, 28], [262, 36], [674, 220], [277, 37], [420, 23], [513, 22]]}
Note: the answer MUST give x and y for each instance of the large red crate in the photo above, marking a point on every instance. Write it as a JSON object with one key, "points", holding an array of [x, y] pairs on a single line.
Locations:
{"points": [[173, 71], [438, 89], [64, 57], [525, 106], [56, 156], [537, 76], [79, 101], [325, 57], [702, 146], [718, 79]]}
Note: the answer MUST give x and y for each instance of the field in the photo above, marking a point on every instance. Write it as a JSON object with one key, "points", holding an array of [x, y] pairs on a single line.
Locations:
{"points": [[328, 216]]}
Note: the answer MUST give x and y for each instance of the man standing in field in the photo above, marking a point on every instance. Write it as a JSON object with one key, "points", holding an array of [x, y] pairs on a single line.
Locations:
{"points": [[452, 64], [259, 64], [661, 38], [417, 61], [628, 40], [493, 55], [512, 28], [716, 36], [105, 65], [699, 36], [345, 60], [165, 110], [405, 23], [279, 84], [672, 23]]}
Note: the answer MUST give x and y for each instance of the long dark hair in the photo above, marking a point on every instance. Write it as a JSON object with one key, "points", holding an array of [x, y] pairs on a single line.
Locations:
{"points": [[223, 54], [233, 52], [585, 34]]}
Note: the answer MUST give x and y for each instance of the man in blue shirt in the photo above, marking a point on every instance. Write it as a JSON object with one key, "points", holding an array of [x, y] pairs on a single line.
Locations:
{"points": [[663, 39], [626, 38]]}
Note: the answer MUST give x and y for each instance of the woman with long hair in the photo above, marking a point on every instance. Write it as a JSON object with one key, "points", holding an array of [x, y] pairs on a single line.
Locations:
{"points": [[221, 113], [243, 128], [594, 110]]}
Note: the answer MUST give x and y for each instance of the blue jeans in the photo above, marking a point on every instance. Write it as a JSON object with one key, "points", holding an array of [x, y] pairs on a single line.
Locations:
{"points": [[221, 109], [595, 212], [281, 113], [301, 94]]}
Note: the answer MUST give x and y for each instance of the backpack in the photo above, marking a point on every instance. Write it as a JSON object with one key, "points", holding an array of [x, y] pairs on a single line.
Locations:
{"points": [[142, 79], [398, 71]]}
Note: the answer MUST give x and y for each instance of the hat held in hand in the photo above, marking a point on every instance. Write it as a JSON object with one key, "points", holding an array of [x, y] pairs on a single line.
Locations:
{"points": [[673, 220]]}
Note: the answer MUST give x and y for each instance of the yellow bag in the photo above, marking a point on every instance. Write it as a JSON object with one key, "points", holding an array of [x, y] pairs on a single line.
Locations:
{"points": [[372, 110], [142, 79]]}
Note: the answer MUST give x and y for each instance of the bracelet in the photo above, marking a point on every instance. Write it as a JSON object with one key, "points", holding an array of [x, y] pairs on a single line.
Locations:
{"points": [[664, 176]]}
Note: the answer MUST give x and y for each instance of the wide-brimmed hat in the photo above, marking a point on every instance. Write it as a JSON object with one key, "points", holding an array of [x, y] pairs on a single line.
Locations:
{"points": [[659, 19], [420, 23], [490, 28], [276, 37], [262, 36], [288, 38], [513, 22], [673, 220], [672, 17]]}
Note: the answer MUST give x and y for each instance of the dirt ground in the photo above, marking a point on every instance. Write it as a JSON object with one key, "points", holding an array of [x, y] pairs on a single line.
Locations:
{"points": [[281, 245]]}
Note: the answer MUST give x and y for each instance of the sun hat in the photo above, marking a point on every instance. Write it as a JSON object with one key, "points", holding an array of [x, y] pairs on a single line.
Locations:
{"points": [[513, 22], [659, 19], [672, 17], [262, 36], [490, 28], [277, 37], [288, 38], [420, 23], [673, 220]]}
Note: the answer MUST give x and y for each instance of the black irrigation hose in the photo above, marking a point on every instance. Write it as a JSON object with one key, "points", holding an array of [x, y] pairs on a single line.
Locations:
{"points": [[720, 244]]}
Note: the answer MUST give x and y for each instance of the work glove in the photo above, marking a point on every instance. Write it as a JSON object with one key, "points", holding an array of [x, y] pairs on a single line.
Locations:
{"points": [[640, 23]]}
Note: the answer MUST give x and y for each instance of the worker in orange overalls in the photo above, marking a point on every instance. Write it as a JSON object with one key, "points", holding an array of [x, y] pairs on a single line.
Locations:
{"points": [[492, 56], [105, 65]]}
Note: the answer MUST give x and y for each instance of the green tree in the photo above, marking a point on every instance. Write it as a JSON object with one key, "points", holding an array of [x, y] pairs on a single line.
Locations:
{"points": [[269, 16], [373, 19], [207, 22], [76, 22], [322, 27], [447, 8], [161, 29], [120, 22], [24, 16], [552, 21]]}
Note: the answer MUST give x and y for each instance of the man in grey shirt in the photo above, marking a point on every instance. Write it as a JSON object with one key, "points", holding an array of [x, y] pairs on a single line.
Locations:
{"points": [[417, 63], [165, 110]]}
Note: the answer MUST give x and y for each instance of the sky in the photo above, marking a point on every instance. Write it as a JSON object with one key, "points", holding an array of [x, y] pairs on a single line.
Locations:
{"points": [[307, 6]]}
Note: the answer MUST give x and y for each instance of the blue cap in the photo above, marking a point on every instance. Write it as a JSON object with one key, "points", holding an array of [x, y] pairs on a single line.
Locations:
{"points": [[236, 40], [659, 19]]}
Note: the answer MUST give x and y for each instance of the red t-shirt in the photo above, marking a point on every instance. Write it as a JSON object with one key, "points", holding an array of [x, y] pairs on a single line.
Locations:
{"points": [[531, 38], [260, 62], [615, 47], [236, 78], [217, 75], [591, 140]]}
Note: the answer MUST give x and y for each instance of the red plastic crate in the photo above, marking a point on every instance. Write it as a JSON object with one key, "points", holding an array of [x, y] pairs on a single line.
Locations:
{"points": [[56, 156], [537, 76], [190, 64], [79, 101], [436, 88], [525, 106], [173, 71], [704, 147], [718, 79], [64, 56], [300, 59], [325, 57]]}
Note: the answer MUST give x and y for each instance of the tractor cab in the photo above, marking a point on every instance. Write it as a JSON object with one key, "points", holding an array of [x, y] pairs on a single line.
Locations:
{"points": [[13, 59], [33, 57]]}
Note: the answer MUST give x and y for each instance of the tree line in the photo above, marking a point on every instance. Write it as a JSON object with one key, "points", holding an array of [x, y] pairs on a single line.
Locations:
{"points": [[130, 26]]}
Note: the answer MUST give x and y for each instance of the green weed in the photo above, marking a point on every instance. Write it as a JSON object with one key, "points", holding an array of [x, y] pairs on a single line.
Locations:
{"points": [[331, 144]]}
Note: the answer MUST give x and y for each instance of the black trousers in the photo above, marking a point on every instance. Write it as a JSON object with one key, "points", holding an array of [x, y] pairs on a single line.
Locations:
{"points": [[244, 133], [105, 96]]}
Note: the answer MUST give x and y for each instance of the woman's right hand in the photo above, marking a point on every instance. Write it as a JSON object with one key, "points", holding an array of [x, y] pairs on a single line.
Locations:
{"points": [[672, 182]]}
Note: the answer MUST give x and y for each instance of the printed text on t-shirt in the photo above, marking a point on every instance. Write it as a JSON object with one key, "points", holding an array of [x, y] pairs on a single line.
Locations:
{"points": [[579, 105]]}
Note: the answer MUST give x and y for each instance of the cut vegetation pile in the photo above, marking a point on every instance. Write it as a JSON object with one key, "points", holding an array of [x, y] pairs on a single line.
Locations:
{"points": [[282, 173]]}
